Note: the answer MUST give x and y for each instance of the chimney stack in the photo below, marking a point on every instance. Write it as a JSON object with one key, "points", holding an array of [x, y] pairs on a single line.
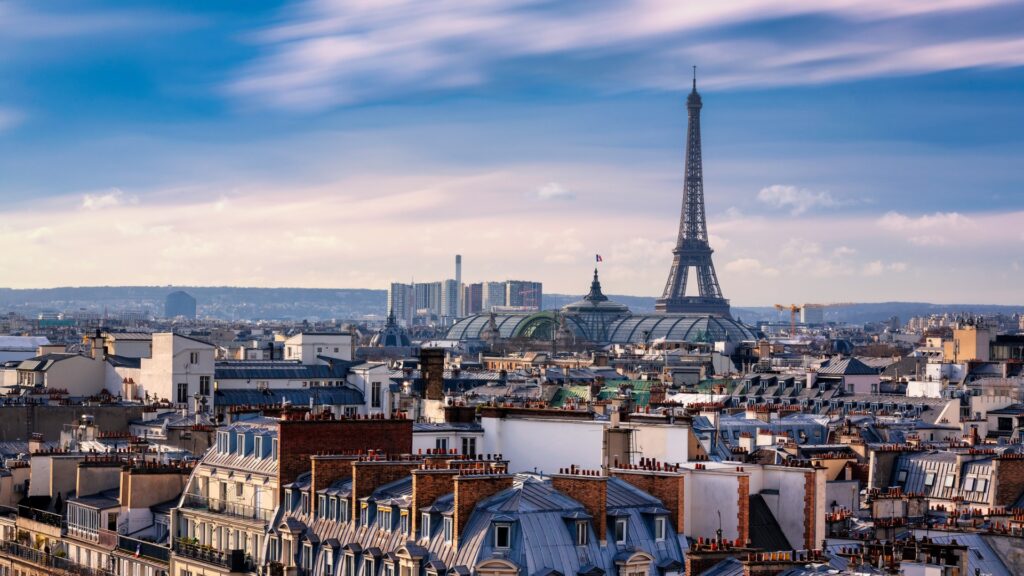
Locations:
{"points": [[470, 489], [327, 469], [590, 489], [368, 475]]}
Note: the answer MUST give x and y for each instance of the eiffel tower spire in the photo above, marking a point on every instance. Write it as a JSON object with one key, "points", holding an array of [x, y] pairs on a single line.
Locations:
{"points": [[692, 249]]}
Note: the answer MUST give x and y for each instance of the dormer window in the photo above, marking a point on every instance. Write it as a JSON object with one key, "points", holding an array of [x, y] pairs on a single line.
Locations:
{"points": [[343, 510], [404, 522], [288, 498], [365, 513], [385, 517], [448, 529], [305, 503], [425, 525], [929, 479], [273, 449], [582, 533], [259, 447], [621, 531], [321, 507], [502, 536], [659, 529], [241, 444], [901, 477]]}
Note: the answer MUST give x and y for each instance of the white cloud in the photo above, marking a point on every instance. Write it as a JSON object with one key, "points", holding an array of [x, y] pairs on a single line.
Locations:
{"points": [[554, 191], [108, 199], [936, 229], [751, 266], [877, 267], [326, 54], [796, 200]]}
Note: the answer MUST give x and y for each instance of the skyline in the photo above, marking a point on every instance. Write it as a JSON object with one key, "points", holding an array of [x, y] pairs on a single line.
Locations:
{"points": [[235, 148]]}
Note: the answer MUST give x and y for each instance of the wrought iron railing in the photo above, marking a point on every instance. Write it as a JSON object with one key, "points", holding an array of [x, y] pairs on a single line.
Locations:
{"points": [[51, 563], [238, 510], [145, 549], [233, 560], [41, 516]]}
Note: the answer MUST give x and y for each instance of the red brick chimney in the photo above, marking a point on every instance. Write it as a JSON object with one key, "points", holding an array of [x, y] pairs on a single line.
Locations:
{"points": [[427, 486], [469, 490], [300, 439], [589, 488], [327, 469], [665, 485], [1007, 478], [368, 475]]}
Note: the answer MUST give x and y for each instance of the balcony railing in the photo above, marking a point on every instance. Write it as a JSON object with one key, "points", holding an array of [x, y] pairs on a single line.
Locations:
{"points": [[238, 510], [145, 549], [52, 564], [234, 560], [41, 516]]}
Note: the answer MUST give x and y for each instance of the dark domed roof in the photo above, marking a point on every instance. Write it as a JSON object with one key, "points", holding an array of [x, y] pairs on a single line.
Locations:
{"points": [[391, 335]]}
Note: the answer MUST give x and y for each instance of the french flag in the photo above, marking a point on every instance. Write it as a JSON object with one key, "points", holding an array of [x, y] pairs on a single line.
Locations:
{"points": [[599, 259]]}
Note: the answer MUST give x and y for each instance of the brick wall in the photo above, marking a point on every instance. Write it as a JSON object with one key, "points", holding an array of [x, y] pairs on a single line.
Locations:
{"points": [[299, 439], [327, 470], [668, 487], [428, 486], [743, 505], [470, 490], [810, 505], [432, 370], [1008, 475], [368, 476], [592, 493]]}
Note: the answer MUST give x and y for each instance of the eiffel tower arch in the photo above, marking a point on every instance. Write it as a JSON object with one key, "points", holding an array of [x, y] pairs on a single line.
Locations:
{"points": [[692, 248]]}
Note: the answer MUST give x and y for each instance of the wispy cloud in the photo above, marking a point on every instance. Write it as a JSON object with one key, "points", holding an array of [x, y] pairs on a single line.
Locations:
{"points": [[334, 53], [107, 199], [936, 229], [796, 200], [554, 191]]}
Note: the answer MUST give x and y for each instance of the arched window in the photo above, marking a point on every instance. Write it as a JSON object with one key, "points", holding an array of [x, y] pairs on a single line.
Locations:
{"points": [[638, 564], [496, 567]]}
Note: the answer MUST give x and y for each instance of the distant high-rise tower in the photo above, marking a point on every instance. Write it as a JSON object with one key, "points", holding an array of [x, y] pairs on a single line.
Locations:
{"points": [[692, 249], [181, 304]]}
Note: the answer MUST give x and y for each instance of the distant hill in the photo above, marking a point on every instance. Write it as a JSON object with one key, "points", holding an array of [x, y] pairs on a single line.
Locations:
{"points": [[241, 303]]}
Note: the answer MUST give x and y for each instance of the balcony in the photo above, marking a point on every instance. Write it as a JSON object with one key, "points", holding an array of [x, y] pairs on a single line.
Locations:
{"points": [[41, 521], [234, 560], [144, 549], [52, 564], [237, 510]]}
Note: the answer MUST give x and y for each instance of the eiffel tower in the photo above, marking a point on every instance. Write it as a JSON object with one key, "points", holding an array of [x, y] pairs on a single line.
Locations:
{"points": [[692, 248]]}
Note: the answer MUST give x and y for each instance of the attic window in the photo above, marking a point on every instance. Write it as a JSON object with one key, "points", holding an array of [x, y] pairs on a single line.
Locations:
{"points": [[448, 529], [425, 525], [659, 528], [502, 536], [582, 533], [969, 484], [259, 447], [929, 479], [948, 481], [901, 476], [621, 531]]}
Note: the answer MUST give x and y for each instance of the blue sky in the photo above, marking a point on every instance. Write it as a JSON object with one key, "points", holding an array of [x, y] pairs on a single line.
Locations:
{"points": [[854, 150]]}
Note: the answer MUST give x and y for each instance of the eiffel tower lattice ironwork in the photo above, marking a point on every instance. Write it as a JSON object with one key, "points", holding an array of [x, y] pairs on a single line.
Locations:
{"points": [[692, 249]]}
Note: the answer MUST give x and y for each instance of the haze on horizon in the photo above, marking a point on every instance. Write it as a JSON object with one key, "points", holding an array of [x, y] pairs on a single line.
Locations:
{"points": [[853, 151]]}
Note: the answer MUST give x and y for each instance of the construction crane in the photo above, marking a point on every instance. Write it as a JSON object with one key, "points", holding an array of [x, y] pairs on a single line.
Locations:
{"points": [[795, 309]]}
